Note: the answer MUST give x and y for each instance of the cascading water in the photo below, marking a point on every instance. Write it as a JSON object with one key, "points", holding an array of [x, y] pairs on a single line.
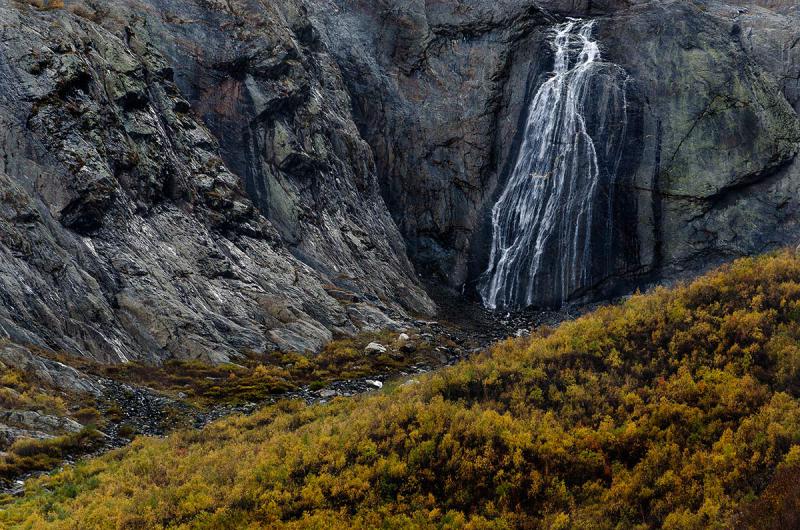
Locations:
{"points": [[552, 227]]}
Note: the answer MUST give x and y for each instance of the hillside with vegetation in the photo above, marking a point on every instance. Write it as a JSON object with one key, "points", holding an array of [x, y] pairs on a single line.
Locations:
{"points": [[677, 409]]}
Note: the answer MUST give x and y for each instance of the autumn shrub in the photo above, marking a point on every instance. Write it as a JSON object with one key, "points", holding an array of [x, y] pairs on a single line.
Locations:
{"points": [[677, 409], [47, 4], [29, 454], [88, 416], [20, 391], [126, 431]]}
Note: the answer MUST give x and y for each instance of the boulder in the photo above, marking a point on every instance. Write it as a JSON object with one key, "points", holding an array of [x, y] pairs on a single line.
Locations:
{"points": [[374, 348]]}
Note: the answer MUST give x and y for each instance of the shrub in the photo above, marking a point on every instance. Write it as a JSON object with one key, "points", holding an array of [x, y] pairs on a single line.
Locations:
{"points": [[674, 410], [88, 416], [26, 455]]}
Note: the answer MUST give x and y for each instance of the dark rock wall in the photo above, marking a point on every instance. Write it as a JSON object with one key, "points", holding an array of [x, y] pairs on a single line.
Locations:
{"points": [[707, 171], [719, 136], [435, 85]]}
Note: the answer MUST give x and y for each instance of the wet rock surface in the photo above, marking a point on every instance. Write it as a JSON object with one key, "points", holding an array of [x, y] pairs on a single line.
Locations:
{"points": [[708, 170]]}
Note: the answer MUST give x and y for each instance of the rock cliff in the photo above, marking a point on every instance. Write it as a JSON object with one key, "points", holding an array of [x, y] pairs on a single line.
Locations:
{"points": [[440, 91], [130, 138], [200, 178]]}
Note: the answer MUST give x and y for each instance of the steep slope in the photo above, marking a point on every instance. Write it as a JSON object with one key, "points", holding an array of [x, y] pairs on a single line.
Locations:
{"points": [[677, 409], [126, 234]]}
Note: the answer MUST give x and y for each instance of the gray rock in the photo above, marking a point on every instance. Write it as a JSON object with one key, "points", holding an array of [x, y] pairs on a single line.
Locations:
{"points": [[9, 435], [30, 424], [408, 347], [129, 231], [374, 348], [46, 371], [35, 421]]}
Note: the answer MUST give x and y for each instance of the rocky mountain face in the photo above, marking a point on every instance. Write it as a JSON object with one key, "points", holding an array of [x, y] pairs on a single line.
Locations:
{"points": [[199, 178], [708, 173], [127, 228]]}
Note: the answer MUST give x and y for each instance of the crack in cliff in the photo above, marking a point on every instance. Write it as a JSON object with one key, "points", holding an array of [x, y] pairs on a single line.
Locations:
{"points": [[440, 33], [705, 112]]}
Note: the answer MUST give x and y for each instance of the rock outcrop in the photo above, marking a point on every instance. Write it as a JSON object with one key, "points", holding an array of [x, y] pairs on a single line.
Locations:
{"points": [[47, 372], [200, 178], [126, 233]]}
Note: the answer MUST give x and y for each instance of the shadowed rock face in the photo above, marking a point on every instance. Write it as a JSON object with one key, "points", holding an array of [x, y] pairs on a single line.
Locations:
{"points": [[707, 169], [435, 85], [196, 178]]}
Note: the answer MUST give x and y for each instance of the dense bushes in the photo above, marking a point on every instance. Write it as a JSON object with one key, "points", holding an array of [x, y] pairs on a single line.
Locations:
{"points": [[678, 409], [31, 455]]}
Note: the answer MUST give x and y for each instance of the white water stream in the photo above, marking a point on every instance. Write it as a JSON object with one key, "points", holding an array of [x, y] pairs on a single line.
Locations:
{"points": [[557, 207]]}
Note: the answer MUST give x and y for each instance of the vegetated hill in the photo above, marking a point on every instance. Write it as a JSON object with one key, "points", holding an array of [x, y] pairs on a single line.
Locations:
{"points": [[676, 409]]}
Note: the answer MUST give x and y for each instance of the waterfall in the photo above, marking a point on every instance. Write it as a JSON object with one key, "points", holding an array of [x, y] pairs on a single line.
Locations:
{"points": [[553, 225]]}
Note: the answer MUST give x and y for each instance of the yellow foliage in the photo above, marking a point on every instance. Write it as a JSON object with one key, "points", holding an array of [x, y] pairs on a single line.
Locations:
{"points": [[678, 409]]}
